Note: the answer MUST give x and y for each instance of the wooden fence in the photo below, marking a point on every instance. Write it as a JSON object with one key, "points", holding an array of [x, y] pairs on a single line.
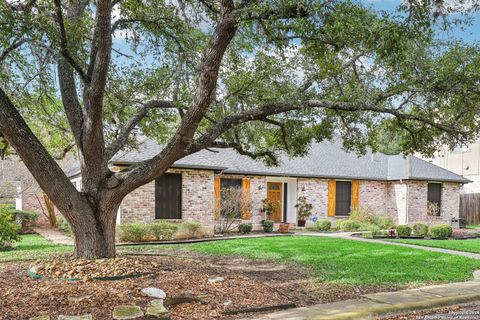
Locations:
{"points": [[470, 207]]}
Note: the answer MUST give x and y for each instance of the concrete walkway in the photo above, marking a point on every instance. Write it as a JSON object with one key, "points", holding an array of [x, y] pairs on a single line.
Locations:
{"points": [[54, 235], [348, 236], [376, 304]]}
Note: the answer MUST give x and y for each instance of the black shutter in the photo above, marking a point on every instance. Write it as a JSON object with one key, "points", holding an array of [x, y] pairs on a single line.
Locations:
{"points": [[168, 196], [435, 194], [343, 198]]}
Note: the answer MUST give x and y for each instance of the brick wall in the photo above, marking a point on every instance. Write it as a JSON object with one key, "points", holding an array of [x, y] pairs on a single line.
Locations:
{"points": [[197, 199], [316, 192], [392, 198]]}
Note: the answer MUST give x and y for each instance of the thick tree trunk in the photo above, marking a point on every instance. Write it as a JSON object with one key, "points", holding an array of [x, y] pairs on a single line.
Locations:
{"points": [[95, 233]]}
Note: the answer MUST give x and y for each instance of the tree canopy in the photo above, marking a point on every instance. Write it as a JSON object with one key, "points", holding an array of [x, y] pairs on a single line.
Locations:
{"points": [[257, 76]]}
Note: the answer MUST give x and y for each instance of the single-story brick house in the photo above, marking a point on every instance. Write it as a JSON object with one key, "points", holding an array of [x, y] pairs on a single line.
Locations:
{"points": [[331, 179]]}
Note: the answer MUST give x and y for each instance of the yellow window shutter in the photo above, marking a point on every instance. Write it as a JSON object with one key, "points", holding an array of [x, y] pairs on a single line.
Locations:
{"points": [[216, 191], [355, 193], [246, 199], [332, 188]]}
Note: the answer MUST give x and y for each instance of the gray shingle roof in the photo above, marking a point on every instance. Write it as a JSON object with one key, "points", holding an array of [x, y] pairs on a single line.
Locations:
{"points": [[326, 159]]}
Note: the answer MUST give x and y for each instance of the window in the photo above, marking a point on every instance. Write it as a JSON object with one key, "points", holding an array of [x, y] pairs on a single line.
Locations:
{"points": [[343, 199], [434, 198], [231, 197], [168, 196]]}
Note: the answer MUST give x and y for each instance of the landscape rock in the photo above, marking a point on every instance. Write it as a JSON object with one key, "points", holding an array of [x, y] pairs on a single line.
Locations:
{"points": [[83, 317], [155, 293], [76, 299], [216, 280], [158, 310], [126, 312], [44, 317], [227, 302]]}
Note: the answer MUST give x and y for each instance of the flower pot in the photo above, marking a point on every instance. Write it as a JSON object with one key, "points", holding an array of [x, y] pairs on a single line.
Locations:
{"points": [[283, 227], [301, 223]]}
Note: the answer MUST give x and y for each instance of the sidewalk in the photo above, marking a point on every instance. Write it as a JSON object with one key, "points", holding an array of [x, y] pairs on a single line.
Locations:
{"points": [[54, 235], [371, 305]]}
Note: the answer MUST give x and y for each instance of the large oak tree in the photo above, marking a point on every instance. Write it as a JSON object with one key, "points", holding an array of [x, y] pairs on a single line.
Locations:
{"points": [[259, 76]]}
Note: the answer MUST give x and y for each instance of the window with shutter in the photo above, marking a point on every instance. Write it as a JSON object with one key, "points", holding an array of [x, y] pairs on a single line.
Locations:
{"points": [[343, 198]]}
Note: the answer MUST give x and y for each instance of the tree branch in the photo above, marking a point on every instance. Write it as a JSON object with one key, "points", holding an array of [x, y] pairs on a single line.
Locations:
{"points": [[259, 114], [64, 43], [15, 45], [122, 138]]}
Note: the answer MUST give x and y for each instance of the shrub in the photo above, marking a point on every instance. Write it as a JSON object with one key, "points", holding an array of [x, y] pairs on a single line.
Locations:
{"points": [[63, 225], [403, 231], [268, 225], [190, 229], [420, 229], [162, 230], [362, 214], [441, 231], [348, 225], [27, 220], [134, 232], [384, 222], [373, 231], [8, 230], [323, 225], [245, 227]]}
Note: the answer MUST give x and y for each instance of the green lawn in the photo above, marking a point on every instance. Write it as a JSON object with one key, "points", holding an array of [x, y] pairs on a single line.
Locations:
{"points": [[332, 260], [32, 246], [469, 245], [350, 261], [473, 226]]}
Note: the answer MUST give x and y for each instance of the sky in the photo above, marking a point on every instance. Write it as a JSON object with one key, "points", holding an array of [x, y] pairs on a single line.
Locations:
{"points": [[468, 33]]}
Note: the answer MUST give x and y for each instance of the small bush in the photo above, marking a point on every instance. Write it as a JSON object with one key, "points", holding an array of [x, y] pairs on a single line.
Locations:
{"points": [[162, 230], [362, 214], [323, 225], [441, 231], [403, 231], [245, 227], [8, 230], [63, 225], [189, 229], [384, 222], [372, 232], [134, 232], [348, 225], [268, 225], [420, 229], [27, 220]]}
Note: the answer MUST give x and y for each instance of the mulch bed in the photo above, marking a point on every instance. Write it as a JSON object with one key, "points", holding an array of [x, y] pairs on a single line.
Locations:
{"points": [[248, 284]]}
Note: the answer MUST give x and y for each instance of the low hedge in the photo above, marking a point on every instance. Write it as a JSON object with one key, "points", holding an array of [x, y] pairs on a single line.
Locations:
{"points": [[404, 231], [349, 225], [441, 231], [139, 231], [245, 227], [323, 225], [420, 229], [268, 226]]}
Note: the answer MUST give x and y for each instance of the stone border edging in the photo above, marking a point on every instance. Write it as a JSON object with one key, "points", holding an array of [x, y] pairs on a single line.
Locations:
{"points": [[35, 275], [398, 308]]}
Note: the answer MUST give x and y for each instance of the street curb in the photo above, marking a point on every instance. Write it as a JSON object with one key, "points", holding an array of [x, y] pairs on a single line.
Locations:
{"points": [[397, 308]]}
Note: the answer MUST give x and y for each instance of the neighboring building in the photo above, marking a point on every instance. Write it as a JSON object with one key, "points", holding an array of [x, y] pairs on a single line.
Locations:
{"points": [[332, 179], [464, 161]]}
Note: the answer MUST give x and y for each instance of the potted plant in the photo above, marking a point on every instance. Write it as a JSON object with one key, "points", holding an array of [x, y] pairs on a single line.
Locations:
{"points": [[304, 210], [283, 227]]}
